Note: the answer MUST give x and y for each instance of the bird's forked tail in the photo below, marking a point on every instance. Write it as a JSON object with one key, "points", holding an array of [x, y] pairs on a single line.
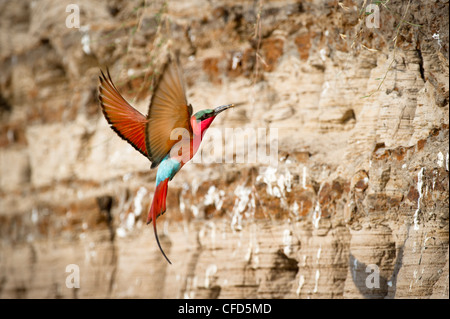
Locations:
{"points": [[158, 208]]}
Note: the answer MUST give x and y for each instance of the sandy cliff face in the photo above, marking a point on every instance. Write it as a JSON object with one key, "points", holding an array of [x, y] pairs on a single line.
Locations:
{"points": [[355, 206]]}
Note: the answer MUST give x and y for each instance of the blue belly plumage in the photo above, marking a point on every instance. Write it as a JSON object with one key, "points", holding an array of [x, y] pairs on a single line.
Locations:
{"points": [[167, 169]]}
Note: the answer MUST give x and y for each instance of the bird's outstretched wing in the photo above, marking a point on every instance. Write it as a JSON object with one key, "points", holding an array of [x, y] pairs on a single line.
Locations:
{"points": [[168, 110], [124, 119]]}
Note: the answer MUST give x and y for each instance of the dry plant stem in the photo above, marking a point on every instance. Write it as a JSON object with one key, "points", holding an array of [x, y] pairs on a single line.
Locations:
{"points": [[395, 50], [150, 73], [257, 36]]}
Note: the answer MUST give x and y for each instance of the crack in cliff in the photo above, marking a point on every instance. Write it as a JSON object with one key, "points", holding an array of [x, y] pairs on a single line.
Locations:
{"points": [[191, 268], [421, 69], [105, 205]]}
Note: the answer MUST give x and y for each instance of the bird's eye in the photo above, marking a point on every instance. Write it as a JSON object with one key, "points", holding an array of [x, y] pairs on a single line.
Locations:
{"points": [[204, 116]]}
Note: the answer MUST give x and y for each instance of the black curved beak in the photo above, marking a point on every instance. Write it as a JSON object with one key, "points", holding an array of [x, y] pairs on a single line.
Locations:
{"points": [[222, 108]]}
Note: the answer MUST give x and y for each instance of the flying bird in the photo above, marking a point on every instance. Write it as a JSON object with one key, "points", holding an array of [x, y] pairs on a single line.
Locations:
{"points": [[169, 136]]}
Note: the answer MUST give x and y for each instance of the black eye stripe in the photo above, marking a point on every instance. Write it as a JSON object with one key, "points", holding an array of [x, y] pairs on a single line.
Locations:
{"points": [[205, 116]]}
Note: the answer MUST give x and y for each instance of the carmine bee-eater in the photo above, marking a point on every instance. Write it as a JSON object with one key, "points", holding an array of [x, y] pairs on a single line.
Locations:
{"points": [[157, 135]]}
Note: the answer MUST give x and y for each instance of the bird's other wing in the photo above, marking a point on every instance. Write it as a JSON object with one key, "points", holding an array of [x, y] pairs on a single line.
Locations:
{"points": [[168, 110], [124, 119]]}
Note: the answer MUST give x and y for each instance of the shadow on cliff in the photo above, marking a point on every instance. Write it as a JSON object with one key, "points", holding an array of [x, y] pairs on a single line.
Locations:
{"points": [[383, 287]]}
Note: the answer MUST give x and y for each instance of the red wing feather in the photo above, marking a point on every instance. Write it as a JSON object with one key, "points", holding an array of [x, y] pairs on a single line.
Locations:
{"points": [[124, 119]]}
